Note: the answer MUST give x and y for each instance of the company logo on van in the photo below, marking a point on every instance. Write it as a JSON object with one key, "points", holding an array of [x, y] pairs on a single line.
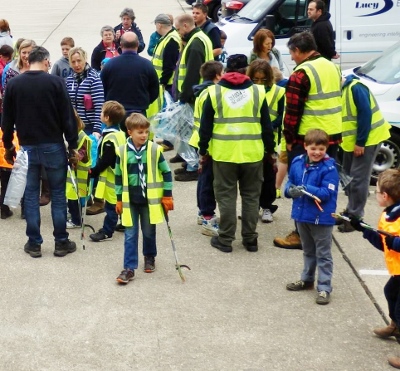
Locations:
{"points": [[371, 5]]}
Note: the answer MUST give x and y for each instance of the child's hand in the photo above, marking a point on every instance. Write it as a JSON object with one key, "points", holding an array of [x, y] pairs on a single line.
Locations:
{"points": [[167, 203], [118, 207], [295, 192], [356, 224]]}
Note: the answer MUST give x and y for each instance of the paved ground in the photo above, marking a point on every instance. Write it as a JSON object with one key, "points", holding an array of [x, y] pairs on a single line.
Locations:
{"points": [[233, 313]]}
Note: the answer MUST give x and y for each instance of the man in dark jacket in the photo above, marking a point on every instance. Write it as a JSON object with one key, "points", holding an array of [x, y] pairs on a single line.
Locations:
{"points": [[322, 29], [38, 105], [130, 79]]}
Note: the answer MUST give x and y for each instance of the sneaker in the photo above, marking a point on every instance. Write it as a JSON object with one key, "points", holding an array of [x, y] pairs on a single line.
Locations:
{"points": [[120, 228], [149, 264], [251, 246], [100, 236], [218, 245], [323, 298], [300, 285], [345, 227], [33, 250], [63, 248], [126, 276], [71, 225], [266, 216], [187, 176], [278, 193], [200, 219], [176, 159], [210, 227], [291, 241]]}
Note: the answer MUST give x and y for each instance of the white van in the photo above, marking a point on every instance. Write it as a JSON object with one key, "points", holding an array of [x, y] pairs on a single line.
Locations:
{"points": [[363, 28]]}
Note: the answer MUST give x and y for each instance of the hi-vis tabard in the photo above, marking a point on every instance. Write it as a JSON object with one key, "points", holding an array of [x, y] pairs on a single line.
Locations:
{"points": [[392, 257], [198, 109], [82, 171], [273, 96], [380, 128], [236, 136], [154, 185], [106, 184], [323, 107], [208, 56]]}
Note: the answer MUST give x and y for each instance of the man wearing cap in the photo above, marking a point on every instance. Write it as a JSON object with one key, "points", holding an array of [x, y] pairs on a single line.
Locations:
{"points": [[130, 79], [236, 123], [165, 57]]}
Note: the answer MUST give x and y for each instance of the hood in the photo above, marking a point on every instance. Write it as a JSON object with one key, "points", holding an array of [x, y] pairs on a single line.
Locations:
{"points": [[235, 78], [197, 89], [324, 17], [349, 79]]}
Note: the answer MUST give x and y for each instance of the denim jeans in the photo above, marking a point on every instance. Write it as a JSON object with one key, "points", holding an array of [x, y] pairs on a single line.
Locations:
{"points": [[316, 241], [53, 157], [111, 219], [132, 236], [205, 191]]}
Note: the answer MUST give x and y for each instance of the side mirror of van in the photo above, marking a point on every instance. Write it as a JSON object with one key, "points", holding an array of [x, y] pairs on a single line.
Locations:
{"points": [[269, 22]]}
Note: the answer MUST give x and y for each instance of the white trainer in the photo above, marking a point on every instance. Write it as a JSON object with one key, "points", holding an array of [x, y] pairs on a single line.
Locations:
{"points": [[210, 227], [266, 216]]}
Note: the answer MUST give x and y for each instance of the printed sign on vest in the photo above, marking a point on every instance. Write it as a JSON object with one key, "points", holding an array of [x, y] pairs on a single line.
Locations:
{"points": [[237, 98]]}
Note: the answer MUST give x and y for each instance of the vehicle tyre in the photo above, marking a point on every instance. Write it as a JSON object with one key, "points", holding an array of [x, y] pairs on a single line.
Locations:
{"points": [[388, 157], [215, 12]]}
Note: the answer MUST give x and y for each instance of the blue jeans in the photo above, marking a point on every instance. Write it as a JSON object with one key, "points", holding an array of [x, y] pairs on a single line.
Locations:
{"points": [[316, 241], [132, 235], [53, 157], [205, 191], [110, 220]]}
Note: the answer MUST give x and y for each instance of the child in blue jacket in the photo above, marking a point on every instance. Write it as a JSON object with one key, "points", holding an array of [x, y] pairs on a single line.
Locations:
{"points": [[316, 174]]}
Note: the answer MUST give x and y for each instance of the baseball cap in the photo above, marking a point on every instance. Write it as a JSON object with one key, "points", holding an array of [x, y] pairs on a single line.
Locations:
{"points": [[163, 19], [237, 61]]}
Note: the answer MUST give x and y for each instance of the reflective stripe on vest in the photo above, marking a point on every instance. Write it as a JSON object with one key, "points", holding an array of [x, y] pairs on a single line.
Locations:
{"points": [[323, 106], [380, 128], [154, 185], [236, 136], [106, 184], [273, 97], [208, 56]]}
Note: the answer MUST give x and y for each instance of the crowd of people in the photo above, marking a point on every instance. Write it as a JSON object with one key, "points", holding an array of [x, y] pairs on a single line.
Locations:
{"points": [[250, 127]]}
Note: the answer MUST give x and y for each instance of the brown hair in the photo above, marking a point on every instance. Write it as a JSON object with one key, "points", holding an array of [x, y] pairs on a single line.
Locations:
{"points": [[316, 136], [68, 41], [261, 65], [389, 182], [259, 39], [4, 26], [210, 70], [115, 111], [79, 122], [137, 121]]}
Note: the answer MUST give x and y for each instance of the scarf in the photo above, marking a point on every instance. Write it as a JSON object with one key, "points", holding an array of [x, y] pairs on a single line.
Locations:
{"points": [[138, 154]]}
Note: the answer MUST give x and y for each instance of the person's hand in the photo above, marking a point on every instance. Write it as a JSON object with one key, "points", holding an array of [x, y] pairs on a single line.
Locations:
{"points": [[356, 224], [358, 151], [10, 155], [202, 161], [295, 191], [336, 56], [73, 157], [288, 147], [271, 159], [118, 207], [167, 203]]}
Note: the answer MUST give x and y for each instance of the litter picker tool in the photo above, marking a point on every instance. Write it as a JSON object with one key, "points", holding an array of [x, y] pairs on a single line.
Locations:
{"points": [[316, 199], [365, 225], [177, 265]]}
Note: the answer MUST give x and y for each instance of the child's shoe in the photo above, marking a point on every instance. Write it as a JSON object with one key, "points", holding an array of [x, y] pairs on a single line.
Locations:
{"points": [[291, 241], [126, 276], [300, 285], [72, 225], [149, 264], [210, 227], [266, 216], [388, 331], [323, 298], [394, 362], [200, 219], [100, 236]]}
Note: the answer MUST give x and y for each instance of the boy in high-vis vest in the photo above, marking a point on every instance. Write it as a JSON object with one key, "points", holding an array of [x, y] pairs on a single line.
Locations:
{"points": [[388, 196], [143, 185], [112, 138]]}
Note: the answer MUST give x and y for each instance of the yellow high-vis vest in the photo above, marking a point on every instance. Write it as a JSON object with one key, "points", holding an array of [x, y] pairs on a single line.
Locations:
{"points": [[154, 185], [273, 96], [106, 184], [182, 64], [81, 173], [236, 135], [323, 107], [380, 128]]}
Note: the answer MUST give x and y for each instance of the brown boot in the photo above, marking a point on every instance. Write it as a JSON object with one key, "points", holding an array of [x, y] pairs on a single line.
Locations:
{"points": [[394, 362], [388, 331], [96, 208], [45, 193], [291, 241]]}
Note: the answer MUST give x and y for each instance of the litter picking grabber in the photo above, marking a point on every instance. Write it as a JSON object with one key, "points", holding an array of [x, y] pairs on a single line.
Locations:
{"points": [[365, 225], [177, 265], [316, 199]]}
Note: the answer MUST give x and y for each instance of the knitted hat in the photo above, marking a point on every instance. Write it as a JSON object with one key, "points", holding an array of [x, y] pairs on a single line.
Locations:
{"points": [[236, 62]]}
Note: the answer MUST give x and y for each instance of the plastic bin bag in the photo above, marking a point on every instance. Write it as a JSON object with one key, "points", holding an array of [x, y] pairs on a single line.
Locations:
{"points": [[16, 185]]}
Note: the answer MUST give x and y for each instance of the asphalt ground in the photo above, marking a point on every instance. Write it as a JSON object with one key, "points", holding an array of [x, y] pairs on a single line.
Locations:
{"points": [[232, 313]]}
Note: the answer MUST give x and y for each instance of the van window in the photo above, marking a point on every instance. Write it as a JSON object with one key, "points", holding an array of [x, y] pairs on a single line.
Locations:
{"points": [[291, 17], [255, 9]]}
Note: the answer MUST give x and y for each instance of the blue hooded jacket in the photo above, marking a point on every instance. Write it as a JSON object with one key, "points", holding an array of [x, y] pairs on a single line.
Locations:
{"points": [[320, 179]]}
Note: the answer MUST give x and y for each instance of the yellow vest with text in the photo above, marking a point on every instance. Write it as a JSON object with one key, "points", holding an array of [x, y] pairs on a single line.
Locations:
{"points": [[106, 184], [323, 107], [182, 71], [81, 174], [392, 257], [236, 135], [273, 96], [154, 185], [380, 128]]}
